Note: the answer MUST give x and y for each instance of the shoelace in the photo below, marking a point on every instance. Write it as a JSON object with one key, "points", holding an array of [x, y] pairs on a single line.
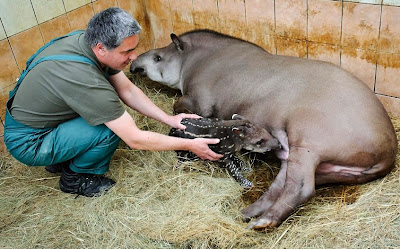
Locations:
{"points": [[84, 181]]}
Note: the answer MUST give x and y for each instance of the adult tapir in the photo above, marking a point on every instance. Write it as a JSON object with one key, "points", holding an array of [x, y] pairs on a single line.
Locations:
{"points": [[331, 126]]}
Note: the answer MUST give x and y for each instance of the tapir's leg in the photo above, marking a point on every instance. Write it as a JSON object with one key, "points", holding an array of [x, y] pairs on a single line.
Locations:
{"points": [[269, 197], [299, 186], [332, 173], [275, 190], [184, 105]]}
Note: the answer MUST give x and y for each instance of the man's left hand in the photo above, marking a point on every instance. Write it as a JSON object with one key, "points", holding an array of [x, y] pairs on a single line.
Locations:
{"points": [[175, 121]]}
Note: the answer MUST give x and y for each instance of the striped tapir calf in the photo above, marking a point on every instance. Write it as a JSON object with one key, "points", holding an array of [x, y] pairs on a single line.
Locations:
{"points": [[234, 135]]}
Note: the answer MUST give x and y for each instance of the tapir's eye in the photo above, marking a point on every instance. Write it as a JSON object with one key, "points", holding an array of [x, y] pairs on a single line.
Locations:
{"points": [[259, 142], [157, 58]]}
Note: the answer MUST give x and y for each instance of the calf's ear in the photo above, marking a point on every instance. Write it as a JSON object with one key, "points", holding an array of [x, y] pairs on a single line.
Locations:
{"points": [[238, 131], [178, 43]]}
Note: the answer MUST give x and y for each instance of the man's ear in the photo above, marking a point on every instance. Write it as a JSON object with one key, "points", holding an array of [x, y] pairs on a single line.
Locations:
{"points": [[101, 49], [178, 43]]}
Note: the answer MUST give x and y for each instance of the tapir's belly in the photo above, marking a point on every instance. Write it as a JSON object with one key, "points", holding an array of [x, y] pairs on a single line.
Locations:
{"points": [[309, 105], [344, 135]]}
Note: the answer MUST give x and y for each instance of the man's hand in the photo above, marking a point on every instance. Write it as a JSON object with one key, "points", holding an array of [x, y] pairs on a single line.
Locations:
{"points": [[199, 145], [175, 121], [201, 149]]}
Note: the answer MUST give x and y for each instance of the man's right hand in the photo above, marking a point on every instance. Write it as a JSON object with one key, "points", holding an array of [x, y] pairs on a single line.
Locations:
{"points": [[201, 149]]}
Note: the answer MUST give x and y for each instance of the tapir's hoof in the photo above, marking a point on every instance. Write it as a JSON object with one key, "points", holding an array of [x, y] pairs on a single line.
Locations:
{"points": [[252, 211], [263, 223]]}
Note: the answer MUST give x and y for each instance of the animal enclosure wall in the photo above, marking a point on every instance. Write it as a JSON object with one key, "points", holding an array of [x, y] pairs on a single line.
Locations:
{"points": [[362, 36]]}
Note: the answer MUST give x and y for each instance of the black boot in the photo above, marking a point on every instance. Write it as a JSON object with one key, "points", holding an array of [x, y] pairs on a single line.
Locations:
{"points": [[84, 184], [57, 167]]}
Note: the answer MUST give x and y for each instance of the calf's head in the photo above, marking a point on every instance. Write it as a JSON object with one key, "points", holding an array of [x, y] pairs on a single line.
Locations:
{"points": [[253, 137]]}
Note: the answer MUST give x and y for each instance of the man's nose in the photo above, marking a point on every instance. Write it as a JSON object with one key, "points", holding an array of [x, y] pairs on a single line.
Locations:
{"points": [[133, 56]]}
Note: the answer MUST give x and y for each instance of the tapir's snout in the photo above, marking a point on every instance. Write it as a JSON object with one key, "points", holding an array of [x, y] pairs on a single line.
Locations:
{"points": [[137, 69]]}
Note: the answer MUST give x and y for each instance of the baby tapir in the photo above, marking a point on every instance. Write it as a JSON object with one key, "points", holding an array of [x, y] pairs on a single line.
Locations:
{"points": [[234, 135]]}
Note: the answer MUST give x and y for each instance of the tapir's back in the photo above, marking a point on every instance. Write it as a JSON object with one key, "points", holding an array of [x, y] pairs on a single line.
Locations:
{"points": [[316, 103]]}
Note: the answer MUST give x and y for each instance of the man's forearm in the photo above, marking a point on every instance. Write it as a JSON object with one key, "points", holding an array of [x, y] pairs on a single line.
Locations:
{"points": [[141, 103]]}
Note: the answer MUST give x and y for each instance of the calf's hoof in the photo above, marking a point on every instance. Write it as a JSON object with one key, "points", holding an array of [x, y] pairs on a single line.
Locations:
{"points": [[246, 184], [246, 169]]}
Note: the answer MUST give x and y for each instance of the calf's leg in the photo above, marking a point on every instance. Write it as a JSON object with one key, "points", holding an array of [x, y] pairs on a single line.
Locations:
{"points": [[233, 165]]}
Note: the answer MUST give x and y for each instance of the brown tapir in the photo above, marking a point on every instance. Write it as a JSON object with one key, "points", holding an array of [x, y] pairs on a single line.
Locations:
{"points": [[331, 126]]}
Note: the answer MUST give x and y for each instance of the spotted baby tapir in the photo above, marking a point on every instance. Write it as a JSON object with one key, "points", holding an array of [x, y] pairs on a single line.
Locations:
{"points": [[234, 135]]}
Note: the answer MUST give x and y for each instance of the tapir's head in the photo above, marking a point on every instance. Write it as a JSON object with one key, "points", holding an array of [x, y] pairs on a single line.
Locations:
{"points": [[164, 64], [254, 138]]}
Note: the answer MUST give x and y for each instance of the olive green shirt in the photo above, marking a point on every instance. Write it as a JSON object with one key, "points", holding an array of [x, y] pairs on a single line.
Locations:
{"points": [[56, 91]]}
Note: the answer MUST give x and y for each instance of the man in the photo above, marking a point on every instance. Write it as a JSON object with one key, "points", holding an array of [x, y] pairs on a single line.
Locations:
{"points": [[65, 111]]}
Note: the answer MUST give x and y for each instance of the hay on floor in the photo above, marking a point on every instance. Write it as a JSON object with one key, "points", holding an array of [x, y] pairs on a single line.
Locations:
{"points": [[158, 203]]}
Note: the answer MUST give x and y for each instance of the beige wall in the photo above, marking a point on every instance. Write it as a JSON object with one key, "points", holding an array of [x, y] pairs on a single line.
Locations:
{"points": [[361, 36]]}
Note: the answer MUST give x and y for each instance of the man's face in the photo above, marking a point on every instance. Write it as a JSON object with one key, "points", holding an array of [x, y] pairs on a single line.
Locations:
{"points": [[121, 56]]}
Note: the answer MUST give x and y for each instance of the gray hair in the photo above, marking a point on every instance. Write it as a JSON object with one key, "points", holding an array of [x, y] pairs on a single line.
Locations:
{"points": [[110, 27]]}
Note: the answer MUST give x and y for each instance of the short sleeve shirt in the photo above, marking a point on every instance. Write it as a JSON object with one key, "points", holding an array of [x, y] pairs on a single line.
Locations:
{"points": [[56, 91]]}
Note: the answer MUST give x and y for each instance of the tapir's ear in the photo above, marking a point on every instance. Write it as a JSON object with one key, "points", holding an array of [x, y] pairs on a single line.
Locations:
{"points": [[237, 117], [238, 131], [178, 43]]}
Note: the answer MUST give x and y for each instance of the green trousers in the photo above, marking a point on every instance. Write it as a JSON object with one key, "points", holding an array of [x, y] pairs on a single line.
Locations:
{"points": [[89, 148]]}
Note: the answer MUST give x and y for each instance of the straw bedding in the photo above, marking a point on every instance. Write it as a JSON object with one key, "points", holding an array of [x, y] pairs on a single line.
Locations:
{"points": [[158, 203]]}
